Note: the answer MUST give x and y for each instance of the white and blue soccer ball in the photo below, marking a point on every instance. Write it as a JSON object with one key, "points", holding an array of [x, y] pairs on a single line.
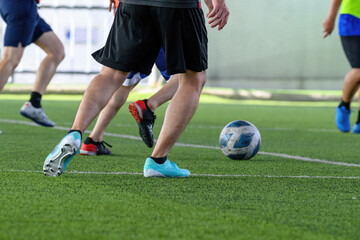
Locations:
{"points": [[240, 140]]}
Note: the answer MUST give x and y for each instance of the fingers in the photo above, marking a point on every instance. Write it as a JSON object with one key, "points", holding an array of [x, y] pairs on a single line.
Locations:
{"points": [[210, 10], [111, 5], [212, 13], [326, 33], [218, 17]]}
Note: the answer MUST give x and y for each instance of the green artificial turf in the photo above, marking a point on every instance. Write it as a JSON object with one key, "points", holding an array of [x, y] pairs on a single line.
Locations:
{"points": [[106, 197]]}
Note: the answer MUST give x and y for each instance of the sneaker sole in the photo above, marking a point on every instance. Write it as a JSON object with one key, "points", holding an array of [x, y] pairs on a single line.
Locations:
{"points": [[40, 123], [54, 166], [136, 112], [153, 173], [90, 153]]}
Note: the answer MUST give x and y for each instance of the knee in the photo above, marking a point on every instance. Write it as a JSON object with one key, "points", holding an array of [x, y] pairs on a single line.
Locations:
{"points": [[57, 54], [60, 55], [356, 72], [199, 80], [115, 76], [202, 79]]}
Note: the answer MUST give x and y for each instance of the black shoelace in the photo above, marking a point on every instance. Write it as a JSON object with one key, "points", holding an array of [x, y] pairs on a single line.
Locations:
{"points": [[105, 143]]}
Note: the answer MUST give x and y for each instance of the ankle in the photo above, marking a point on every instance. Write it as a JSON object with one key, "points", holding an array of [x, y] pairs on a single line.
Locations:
{"points": [[345, 104], [149, 105]]}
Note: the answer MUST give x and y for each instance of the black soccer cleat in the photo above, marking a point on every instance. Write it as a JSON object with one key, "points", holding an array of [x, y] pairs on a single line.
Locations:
{"points": [[145, 119], [92, 148]]}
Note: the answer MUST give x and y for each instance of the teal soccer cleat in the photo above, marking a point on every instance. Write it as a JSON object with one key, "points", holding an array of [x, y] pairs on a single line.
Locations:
{"points": [[356, 128], [343, 119], [57, 161], [167, 169]]}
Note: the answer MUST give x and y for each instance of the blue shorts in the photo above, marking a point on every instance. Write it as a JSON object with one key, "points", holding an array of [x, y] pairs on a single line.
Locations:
{"points": [[135, 77], [349, 25], [24, 25]]}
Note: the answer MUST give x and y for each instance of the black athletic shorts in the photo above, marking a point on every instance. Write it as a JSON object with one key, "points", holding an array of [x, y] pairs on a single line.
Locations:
{"points": [[139, 31], [351, 46]]}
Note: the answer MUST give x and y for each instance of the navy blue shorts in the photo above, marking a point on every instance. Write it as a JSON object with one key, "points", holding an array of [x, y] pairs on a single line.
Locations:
{"points": [[24, 25]]}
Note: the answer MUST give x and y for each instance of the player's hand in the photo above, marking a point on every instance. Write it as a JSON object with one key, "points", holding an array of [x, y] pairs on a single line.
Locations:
{"points": [[328, 26], [218, 13]]}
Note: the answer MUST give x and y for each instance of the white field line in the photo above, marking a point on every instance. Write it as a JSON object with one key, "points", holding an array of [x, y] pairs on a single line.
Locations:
{"points": [[221, 127], [197, 175], [280, 155]]}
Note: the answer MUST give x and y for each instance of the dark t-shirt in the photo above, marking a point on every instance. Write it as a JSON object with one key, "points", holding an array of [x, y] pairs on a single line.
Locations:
{"points": [[166, 3]]}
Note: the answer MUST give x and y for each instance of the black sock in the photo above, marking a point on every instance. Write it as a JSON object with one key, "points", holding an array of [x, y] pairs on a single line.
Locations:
{"points": [[71, 130], [345, 104], [159, 160], [35, 99], [89, 140], [358, 120]]}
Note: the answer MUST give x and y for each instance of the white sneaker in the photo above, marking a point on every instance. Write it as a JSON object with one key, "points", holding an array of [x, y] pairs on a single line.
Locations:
{"points": [[36, 114]]}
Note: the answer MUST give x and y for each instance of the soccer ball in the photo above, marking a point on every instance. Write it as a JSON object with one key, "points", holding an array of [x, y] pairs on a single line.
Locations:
{"points": [[240, 140]]}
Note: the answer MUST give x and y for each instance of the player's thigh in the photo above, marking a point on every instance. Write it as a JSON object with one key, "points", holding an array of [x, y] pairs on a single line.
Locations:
{"points": [[51, 44], [196, 79], [12, 55]]}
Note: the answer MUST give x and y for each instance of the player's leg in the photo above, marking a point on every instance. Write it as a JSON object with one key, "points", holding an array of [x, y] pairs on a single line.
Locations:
{"points": [[168, 90], [10, 58], [55, 53], [46, 39], [351, 46], [95, 98], [184, 104], [20, 25], [94, 144], [97, 95], [356, 127], [118, 58], [350, 86], [143, 110], [165, 94], [54, 50], [190, 63], [178, 114]]}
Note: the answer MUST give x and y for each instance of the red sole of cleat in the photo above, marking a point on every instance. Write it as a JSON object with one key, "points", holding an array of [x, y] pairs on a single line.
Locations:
{"points": [[134, 112]]}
